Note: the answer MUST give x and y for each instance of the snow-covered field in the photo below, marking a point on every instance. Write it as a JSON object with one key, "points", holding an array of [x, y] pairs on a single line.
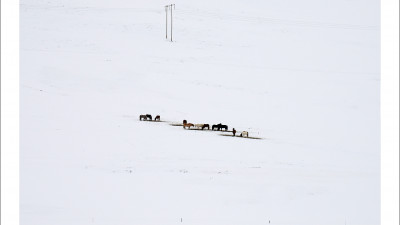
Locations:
{"points": [[304, 75]]}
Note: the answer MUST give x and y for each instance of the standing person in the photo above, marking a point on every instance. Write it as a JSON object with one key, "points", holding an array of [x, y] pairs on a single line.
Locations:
{"points": [[234, 132]]}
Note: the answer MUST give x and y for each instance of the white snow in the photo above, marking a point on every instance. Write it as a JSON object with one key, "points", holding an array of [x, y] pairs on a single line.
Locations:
{"points": [[304, 75]]}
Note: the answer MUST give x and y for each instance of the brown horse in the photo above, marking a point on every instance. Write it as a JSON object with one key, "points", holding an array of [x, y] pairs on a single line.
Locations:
{"points": [[188, 125], [157, 118]]}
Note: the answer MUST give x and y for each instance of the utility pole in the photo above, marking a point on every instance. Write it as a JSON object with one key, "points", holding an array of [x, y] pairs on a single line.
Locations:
{"points": [[171, 19], [166, 19], [166, 22]]}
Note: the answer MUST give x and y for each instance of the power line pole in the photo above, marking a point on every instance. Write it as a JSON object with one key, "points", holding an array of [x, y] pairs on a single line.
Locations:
{"points": [[166, 19], [166, 22], [171, 19]]}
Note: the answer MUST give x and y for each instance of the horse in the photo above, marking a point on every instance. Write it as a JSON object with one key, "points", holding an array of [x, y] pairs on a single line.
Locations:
{"points": [[184, 122], [188, 125], [149, 117], [157, 118], [220, 127], [244, 133], [144, 117], [205, 125], [224, 127], [198, 126]]}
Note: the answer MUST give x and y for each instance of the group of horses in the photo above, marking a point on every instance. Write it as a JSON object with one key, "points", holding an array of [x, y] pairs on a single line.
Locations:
{"points": [[218, 127], [148, 117], [203, 126], [186, 125]]}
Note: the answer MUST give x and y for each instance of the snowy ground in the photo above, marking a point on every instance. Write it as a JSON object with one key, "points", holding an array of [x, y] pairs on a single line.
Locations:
{"points": [[304, 75]]}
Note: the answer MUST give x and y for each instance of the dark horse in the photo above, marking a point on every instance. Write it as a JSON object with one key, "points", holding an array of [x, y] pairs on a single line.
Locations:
{"points": [[157, 118], [205, 125], [219, 127], [144, 117], [149, 117]]}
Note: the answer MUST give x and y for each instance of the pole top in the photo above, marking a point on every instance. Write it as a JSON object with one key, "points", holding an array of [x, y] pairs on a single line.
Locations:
{"points": [[167, 6]]}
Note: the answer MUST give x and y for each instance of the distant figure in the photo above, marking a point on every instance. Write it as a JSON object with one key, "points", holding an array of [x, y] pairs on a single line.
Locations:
{"points": [[157, 118], [234, 132], [144, 117], [244, 134], [184, 122], [149, 117]]}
